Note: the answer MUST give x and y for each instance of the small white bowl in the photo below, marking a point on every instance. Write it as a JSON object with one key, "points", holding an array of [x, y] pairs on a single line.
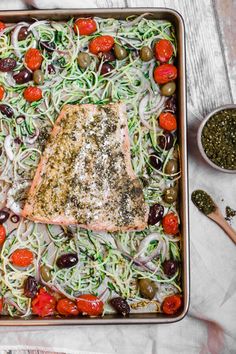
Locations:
{"points": [[199, 137]]}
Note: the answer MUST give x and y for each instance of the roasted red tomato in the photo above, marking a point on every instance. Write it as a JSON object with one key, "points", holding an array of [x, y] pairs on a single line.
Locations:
{"points": [[44, 304], [67, 307], [101, 44], [2, 235], [2, 91], [33, 59], [167, 121], [170, 224], [2, 26], [32, 94], [165, 73], [171, 304], [163, 50], [89, 305], [22, 257], [85, 26], [1, 304]]}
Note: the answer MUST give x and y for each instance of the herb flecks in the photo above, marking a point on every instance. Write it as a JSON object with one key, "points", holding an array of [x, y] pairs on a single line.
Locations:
{"points": [[203, 202], [230, 213]]}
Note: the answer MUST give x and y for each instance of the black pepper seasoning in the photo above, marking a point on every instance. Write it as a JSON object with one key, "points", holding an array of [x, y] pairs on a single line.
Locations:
{"points": [[203, 202]]}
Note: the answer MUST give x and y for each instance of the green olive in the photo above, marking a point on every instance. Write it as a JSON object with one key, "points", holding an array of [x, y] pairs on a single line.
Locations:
{"points": [[38, 77], [146, 53], [83, 60], [171, 167], [120, 52], [170, 195], [147, 288], [168, 89], [45, 273]]}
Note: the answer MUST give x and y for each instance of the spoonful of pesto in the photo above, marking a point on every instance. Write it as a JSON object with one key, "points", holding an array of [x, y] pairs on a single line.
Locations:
{"points": [[207, 206]]}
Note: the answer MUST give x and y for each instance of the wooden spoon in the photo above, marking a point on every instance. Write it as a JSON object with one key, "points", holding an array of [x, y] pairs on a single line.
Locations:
{"points": [[220, 220]]}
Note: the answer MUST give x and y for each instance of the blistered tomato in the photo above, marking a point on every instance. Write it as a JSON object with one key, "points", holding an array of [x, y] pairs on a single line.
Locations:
{"points": [[2, 26], [32, 94], [22, 257], [163, 50], [165, 73], [2, 235], [167, 121], [85, 26], [2, 91], [44, 304], [89, 305], [67, 307], [101, 44], [33, 59], [170, 224], [171, 304]]}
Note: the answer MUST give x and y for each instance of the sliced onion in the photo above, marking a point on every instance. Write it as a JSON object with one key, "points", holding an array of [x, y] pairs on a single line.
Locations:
{"points": [[52, 252], [141, 110], [32, 138], [63, 292], [136, 20], [13, 205], [8, 147], [144, 244], [36, 24], [10, 80], [14, 38], [157, 106]]}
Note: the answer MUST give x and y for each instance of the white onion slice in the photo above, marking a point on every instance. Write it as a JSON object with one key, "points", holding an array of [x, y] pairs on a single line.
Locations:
{"points": [[8, 147], [141, 110], [136, 20], [144, 244], [36, 24], [10, 80], [14, 38]]}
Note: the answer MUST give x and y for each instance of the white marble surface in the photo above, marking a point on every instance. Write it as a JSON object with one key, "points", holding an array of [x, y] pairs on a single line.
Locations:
{"points": [[211, 322]]}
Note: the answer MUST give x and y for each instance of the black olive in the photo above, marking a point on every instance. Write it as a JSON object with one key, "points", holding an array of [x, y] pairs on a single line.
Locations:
{"points": [[4, 215], [51, 69], [155, 162], [67, 260], [165, 141], [23, 33], [171, 104], [30, 287], [15, 219], [156, 213], [170, 267], [48, 46], [120, 305], [106, 68], [108, 56], [23, 76], [7, 64], [6, 110]]}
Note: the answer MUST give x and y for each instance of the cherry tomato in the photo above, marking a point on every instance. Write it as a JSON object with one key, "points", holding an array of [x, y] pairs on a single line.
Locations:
{"points": [[90, 305], [170, 224], [2, 235], [2, 26], [2, 91], [33, 59], [165, 73], [22, 257], [85, 26], [101, 44], [44, 304], [67, 307], [163, 50], [167, 121], [1, 304], [32, 94], [171, 304]]}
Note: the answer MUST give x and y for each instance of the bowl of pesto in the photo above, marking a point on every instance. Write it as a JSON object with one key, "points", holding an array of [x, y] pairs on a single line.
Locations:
{"points": [[217, 138]]}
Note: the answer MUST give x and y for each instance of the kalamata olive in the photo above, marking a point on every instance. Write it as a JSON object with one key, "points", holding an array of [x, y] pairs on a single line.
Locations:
{"points": [[156, 213], [120, 52], [4, 215], [45, 273], [168, 89], [67, 260], [38, 77], [165, 141], [147, 288], [30, 287], [171, 167], [23, 33], [7, 64], [6, 110], [107, 56], [83, 60], [170, 195], [15, 219], [120, 305], [51, 69], [170, 267], [106, 68], [146, 53], [23, 76], [48, 46], [171, 104], [155, 161]]}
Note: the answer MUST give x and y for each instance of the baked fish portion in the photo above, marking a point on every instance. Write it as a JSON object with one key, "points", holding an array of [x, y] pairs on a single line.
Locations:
{"points": [[85, 176]]}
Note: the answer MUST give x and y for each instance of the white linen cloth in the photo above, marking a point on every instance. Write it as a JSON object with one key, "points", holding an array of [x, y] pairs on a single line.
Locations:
{"points": [[209, 327]]}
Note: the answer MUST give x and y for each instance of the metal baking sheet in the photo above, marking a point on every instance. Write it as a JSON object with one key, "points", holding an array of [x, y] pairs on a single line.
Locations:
{"points": [[177, 20]]}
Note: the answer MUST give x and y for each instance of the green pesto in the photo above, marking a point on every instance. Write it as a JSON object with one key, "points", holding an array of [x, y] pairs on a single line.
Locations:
{"points": [[203, 202]]}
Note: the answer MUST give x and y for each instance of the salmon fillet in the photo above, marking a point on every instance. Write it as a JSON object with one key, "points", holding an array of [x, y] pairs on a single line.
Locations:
{"points": [[85, 176]]}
